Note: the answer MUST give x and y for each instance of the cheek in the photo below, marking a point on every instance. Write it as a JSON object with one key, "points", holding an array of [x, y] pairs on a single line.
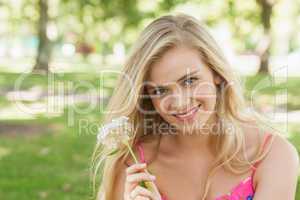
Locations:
{"points": [[159, 105], [207, 95], [162, 106]]}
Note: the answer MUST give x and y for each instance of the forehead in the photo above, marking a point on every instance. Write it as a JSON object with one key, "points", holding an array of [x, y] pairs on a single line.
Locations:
{"points": [[174, 64]]}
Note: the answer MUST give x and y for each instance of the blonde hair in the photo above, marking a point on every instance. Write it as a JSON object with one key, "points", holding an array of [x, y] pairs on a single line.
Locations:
{"points": [[159, 36]]}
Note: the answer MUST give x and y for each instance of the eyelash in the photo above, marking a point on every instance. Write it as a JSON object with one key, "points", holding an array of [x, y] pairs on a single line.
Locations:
{"points": [[190, 78], [154, 92]]}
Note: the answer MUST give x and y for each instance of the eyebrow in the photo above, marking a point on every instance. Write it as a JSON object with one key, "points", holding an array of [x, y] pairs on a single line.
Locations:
{"points": [[187, 75], [180, 79]]}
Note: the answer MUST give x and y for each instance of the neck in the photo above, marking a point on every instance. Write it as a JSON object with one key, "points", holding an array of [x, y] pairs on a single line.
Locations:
{"points": [[193, 141], [198, 140]]}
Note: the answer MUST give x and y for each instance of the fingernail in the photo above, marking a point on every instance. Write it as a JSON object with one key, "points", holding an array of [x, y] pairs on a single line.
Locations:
{"points": [[152, 177]]}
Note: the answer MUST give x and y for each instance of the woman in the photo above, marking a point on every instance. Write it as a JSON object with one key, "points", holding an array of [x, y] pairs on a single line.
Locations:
{"points": [[193, 130]]}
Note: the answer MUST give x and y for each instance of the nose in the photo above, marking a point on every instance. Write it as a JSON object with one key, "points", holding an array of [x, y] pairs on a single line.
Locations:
{"points": [[180, 103]]}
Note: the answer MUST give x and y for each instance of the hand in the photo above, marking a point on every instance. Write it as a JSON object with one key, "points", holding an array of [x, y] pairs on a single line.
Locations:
{"points": [[135, 174]]}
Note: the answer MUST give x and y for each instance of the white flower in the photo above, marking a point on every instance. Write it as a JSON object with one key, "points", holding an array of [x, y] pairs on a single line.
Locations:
{"points": [[115, 133], [118, 132]]}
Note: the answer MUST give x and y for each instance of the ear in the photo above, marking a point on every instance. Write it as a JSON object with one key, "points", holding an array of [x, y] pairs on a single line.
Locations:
{"points": [[217, 79]]}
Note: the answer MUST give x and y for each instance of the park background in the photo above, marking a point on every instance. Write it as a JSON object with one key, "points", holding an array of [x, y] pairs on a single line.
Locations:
{"points": [[53, 90]]}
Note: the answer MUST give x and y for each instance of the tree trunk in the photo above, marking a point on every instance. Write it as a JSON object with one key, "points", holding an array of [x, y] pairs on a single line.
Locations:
{"points": [[44, 47], [264, 46]]}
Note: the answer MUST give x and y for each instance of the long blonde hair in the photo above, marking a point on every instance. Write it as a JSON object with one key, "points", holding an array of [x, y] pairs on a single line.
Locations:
{"points": [[159, 36]]}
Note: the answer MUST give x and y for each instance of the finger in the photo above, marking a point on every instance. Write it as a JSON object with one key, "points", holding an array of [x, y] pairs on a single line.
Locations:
{"points": [[140, 191], [137, 177], [135, 168], [142, 198]]}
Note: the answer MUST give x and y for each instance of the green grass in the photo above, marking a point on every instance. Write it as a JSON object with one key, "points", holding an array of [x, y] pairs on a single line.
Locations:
{"points": [[53, 164], [268, 87], [53, 167]]}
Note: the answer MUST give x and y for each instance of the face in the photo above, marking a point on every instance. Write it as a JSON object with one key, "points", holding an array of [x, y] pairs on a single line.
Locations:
{"points": [[183, 89]]}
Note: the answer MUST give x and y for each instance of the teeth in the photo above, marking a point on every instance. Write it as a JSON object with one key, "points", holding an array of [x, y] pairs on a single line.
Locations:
{"points": [[186, 113], [190, 112]]}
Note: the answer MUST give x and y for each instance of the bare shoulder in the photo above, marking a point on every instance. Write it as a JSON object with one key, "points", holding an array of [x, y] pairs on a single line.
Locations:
{"points": [[276, 176], [282, 154], [280, 150], [277, 173]]}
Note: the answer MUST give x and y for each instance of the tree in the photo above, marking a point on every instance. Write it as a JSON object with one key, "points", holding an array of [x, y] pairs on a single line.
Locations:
{"points": [[249, 21], [264, 46], [44, 47]]}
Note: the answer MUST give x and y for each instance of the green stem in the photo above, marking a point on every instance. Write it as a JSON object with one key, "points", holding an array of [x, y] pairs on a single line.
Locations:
{"points": [[131, 152], [142, 183]]}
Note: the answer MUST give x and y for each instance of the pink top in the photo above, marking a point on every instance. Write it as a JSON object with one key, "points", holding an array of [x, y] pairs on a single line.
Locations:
{"points": [[242, 191]]}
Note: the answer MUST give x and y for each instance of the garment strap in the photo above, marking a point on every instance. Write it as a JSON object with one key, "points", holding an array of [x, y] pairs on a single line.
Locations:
{"points": [[266, 140], [141, 152], [143, 160]]}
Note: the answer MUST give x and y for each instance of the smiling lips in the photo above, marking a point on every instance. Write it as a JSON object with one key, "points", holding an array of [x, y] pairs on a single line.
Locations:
{"points": [[188, 116]]}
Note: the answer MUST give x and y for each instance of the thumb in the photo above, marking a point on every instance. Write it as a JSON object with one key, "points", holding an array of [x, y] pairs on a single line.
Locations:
{"points": [[152, 187]]}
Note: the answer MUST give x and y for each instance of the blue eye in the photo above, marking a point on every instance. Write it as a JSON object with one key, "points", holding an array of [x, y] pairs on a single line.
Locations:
{"points": [[190, 81]]}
